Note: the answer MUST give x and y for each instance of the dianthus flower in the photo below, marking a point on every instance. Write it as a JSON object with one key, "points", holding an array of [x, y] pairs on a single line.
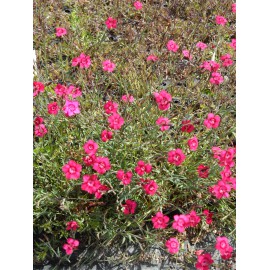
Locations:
{"points": [[60, 90], [212, 121], [193, 219], [73, 91], [71, 108], [176, 157], [72, 225], [129, 207], [101, 165], [89, 160], [152, 57], [160, 221], [90, 147], [53, 108], [208, 215], [106, 135], [40, 130], [234, 8], [125, 178], [108, 65], [221, 20], [83, 60], [110, 107], [111, 23], [221, 190], [38, 87], [172, 245], [163, 99], [201, 45], [172, 46], [38, 120], [151, 187], [216, 78], [127, 98], [233, 44], [187, 126], [102, 190], [203, 171], [226, 157], [60, 31], [72, 170], [90, 184], [143, 168], [193, 143], [187, 54], [204, 262], [138, 5], [115, 121], [70, 246], [181, 222], [164, 123], [210, 66]]}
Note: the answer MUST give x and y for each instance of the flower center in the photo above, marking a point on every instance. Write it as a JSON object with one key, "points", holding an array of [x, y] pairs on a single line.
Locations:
{"points": [[71, 170]]}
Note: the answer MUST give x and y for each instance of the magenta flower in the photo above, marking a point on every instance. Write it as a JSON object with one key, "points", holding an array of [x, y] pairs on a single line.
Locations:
{"points": [[38, 120], [115, 121], [106, 135], [226, 60], [221, 20], [187, 54], [234, 8], [233, 44], [38, 87], [208, 215], [40, 130], [163, 122], [193, 143], [71, 245], [203, 171], [108, 65], [138, 5], [110, 107], [101, 165], [72, 225], [221, 190], [204, 262], [90, 184], [187, 126], [176, 157], [181, 222], [111, 23], [129, 207], [212, 121], [125, 178], [127, 98], [71, 108], [152, 57], [90, 147], [83, 60], [193, 219], [60, 31], [143, 168], [172, 46], [172, 245], [216, 78], [163, 99], [53, 108], [89, 160], [210, 65], [160, 221], [151, 187], [73, 91], [201, 45], [60, 90], [72, 170]]}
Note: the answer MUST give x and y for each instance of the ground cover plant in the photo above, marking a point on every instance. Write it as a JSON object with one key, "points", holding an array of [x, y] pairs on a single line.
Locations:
{"points": [[134, 129]]}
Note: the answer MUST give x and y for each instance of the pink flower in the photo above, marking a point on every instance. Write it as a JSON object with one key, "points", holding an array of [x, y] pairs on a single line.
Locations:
{"points": [[160, 221], [90, 184], [111, 23], [127, 98], [110, 107], [208, 215], [143, 168], [232, 181], [176, 157], [201, 45], [73, 91], [152, 57], [172, 245], [89, 160], [83, 60], [226, 174], [53, 108], [90, 147], [222, 244], [72, 170], [212, 121], [226, 157], [40, 130], [187, 54], [216, 152], [71, 245], [106, 135], [102, 189], [187, 126], [233, 44], [60, 32], [216, 78], [151, 187], [234, 8], [71, 108], [204, 261], [129, 207], [227, 254], [138, 5], [60, 90], [181, 222], [193, 143], [163, 99], [163, 122], [72, 225], [108, 66], [38, 87], [221, 20], [203, 171], [38, 120], [221, 190], [101, 165], [193, 219], [115, 121], [226, 60], [210, 65], [172, 46], [124, 177]]}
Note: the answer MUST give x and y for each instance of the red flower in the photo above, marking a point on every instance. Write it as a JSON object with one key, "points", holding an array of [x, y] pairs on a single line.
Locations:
{"points": [[106, 135], [72, 225], [204, 261], [90, 184], [176, 157], [187, 126], [163, 99], [124, 177], [129, 207], [40, 130], [193, 143], [111, 23], [89, 160], [38, 120], [143, 168], [208, 215], [110, 107], [53, 108], [38, 88], [203, 171], [72, 170], [151, 187], [193, 219]]}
